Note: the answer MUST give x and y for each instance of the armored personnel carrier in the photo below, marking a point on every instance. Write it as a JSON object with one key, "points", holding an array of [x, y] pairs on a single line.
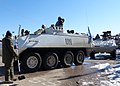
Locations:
{"points": [[117, 40], [49, 47], [106, 44]]}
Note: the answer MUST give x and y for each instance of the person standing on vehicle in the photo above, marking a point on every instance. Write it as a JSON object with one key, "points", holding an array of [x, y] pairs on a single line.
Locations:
{"points": [[59, 23], [8, 56]]}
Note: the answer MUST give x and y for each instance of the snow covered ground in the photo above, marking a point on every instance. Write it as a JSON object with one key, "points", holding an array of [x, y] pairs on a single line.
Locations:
{"points": [[110, 72]]}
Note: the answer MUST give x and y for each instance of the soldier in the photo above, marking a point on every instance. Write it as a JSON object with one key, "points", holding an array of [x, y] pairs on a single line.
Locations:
{"points": [[27, 32], [22, 32], [8, 55], [59, 23], [40, 31]]}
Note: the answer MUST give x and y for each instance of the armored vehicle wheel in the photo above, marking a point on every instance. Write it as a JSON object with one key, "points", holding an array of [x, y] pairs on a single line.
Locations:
{"points": [[79, 57], [67, 59], [50, 61], [92, 55], [113, 55], [31, 62]]}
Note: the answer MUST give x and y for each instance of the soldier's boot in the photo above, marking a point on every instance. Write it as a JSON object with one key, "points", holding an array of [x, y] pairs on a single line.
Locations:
{"points": [[12, 75]]}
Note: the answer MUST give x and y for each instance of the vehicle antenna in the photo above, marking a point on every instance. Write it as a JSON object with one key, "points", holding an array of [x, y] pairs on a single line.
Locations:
{"points": [[19, 30]]}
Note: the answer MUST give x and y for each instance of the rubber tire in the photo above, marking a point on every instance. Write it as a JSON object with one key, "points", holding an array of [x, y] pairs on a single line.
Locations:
{"points": [[92, 55], [78, 61], [46, 63], [113, 55], [64, 62], [24, 65]]}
